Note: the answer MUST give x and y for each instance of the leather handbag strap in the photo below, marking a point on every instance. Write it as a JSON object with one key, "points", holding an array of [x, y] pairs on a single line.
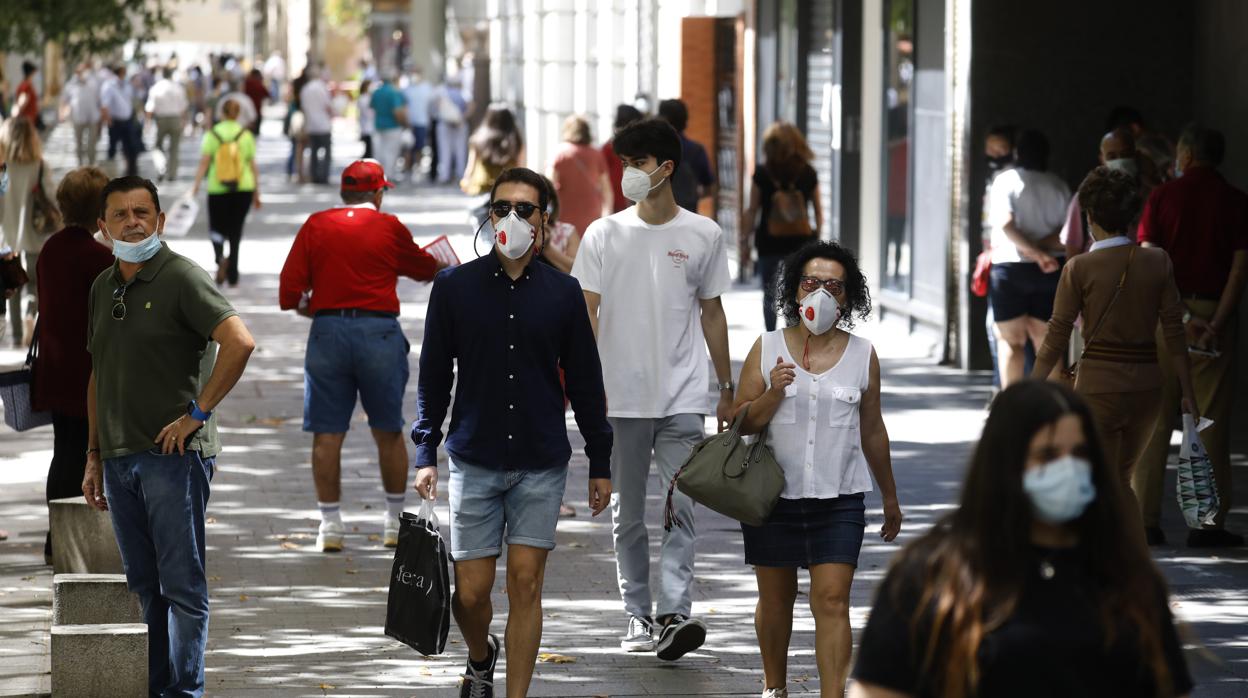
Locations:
{"points": [[1122, 281]]}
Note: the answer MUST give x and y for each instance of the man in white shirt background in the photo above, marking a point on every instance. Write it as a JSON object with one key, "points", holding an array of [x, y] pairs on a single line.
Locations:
{"points": [[167, 105], [418, 93], [274, 71], [80, 104], [318, 113], [117, 110], [652, 275]]}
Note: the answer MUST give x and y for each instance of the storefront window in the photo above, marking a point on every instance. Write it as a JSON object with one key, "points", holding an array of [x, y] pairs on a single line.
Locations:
{"points": [[898, 84]]}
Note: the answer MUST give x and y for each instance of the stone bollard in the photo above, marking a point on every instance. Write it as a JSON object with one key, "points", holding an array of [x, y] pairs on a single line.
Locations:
{"points": [[82, 538], [83, 599], [99, 660]]}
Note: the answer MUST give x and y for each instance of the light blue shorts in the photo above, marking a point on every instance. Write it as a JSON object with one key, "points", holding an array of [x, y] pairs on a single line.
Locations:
{"points": [[484, 501]]}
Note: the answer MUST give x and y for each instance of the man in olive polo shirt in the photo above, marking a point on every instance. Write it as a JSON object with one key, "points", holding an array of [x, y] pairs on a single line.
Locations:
{"points": [[157, 376]]}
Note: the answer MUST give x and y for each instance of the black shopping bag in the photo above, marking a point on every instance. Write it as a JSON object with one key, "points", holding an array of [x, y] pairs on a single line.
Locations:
{"points": [[418, 613]]}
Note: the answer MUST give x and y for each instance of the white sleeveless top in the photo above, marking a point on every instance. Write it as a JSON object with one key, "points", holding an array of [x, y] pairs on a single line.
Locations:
{"points": [[815, 431]]}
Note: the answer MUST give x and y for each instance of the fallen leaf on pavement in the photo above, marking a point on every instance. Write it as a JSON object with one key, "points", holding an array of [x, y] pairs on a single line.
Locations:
{"points": [[374, 537], [287, 545], [353, 571], [242, 597], [551, 658], [325, 687], [214, 578], [210, 520]]}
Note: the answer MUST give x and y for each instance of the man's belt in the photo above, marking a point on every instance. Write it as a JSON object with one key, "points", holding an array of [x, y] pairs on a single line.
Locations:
{"points": [[354, 312]]}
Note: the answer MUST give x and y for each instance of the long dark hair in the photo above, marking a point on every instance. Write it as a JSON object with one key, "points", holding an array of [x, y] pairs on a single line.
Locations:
{"points": [[497, 140], [974, 561]]}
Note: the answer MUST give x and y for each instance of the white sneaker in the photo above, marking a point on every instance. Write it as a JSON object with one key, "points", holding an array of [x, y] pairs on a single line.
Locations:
{"points": [[390, 538], [776, 693], [329, 536], [640, 635]]}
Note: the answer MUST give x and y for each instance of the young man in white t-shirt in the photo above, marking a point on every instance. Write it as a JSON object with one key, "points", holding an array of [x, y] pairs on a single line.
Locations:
{"points": [[652, 275]]}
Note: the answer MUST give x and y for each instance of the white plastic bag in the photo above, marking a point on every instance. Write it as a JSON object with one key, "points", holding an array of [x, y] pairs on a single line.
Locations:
{"points": [[181, 217], [1197, 491]]}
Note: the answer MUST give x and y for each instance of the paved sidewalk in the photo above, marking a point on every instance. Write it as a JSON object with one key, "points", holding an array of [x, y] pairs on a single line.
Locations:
{"points": [[290, 621]]}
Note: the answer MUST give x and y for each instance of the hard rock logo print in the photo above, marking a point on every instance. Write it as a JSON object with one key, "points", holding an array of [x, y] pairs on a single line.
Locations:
{"points": [[678, 257]]}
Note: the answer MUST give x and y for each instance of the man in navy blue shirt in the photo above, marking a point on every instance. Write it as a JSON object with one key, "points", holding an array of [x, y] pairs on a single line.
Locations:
{"points": [[511, 325], [693, 180]]}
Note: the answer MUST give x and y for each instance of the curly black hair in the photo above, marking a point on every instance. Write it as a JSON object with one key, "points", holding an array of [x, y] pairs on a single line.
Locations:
{"points": [[1111, 199], [857, 295]]}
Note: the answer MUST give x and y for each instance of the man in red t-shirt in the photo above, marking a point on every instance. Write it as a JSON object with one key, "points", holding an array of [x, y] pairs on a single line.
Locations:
{"points": [[1202, 222], [341, 271], [27, 101]]}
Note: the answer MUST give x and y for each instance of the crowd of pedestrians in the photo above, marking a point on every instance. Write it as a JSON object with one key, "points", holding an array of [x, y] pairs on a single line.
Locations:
{"points": [[1062, 492], [1129, 291]]}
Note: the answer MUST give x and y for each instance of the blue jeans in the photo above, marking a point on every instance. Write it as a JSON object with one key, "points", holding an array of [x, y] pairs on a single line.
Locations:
{"points": [[769, 265], [157, 504]]}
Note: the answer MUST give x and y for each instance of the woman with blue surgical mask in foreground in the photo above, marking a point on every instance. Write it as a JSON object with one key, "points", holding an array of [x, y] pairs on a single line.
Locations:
{"points": [[1035, 585]]}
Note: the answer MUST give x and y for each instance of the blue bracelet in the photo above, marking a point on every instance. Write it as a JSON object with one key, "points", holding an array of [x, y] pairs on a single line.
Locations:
{"points": [[197, 414]]}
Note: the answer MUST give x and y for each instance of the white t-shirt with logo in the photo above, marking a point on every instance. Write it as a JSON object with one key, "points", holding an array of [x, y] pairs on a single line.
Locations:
{"points": [[651, 279]]}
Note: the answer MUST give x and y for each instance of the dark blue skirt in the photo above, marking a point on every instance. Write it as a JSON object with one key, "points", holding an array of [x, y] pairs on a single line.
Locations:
{"points": [[805, 532]]}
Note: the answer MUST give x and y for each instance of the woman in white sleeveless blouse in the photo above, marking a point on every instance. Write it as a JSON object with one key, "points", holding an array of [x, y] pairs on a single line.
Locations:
{"points": [[817, 389]]}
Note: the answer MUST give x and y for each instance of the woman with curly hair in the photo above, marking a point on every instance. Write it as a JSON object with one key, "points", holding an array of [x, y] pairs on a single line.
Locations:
{"points": [[1033, 586], [1122, 291], [815, 388]]}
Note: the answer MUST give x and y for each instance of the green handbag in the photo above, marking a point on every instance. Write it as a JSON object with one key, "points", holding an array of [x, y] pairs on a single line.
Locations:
{"points": [[723, 473]]}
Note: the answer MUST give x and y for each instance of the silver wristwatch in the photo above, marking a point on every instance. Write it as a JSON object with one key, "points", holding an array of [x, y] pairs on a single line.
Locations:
{"points": [[724, 386]]}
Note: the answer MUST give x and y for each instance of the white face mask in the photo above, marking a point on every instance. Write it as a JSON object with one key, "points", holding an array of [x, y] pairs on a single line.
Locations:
{"points": [[1128, 165], [636, 183], [513, 236], [819, 311]]}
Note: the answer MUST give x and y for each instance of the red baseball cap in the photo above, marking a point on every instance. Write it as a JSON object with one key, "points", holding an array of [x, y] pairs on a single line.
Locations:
{"points": [[365, 175]]}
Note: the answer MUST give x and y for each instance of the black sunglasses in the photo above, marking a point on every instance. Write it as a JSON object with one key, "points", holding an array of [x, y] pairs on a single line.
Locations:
{"points": [[811, 284], [523, 209], [119, 302]]}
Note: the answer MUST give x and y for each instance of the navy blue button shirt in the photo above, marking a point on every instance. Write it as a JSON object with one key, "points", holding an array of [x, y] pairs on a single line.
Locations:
{"points": [[509, 338]]}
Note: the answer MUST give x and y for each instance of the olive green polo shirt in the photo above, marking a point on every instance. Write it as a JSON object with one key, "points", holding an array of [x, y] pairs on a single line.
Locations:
{"points": [[158, 358]]}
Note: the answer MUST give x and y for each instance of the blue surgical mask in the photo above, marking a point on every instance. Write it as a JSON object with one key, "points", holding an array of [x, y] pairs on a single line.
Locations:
{"points": [[137, 252], [1060, 491]]}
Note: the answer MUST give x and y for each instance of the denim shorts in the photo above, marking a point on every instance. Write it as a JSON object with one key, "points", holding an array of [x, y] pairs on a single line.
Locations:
{"points": [[484, 501], [354, 355], [805, 532]]}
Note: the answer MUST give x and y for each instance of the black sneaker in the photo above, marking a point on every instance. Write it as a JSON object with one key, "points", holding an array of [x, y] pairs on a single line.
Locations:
{"points": [[479, 683], [1213, 538], [1153, 535], [680, 636]]}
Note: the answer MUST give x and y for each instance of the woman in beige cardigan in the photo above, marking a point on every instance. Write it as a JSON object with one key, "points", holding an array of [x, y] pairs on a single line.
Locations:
{"points": [[1122, 291]]}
